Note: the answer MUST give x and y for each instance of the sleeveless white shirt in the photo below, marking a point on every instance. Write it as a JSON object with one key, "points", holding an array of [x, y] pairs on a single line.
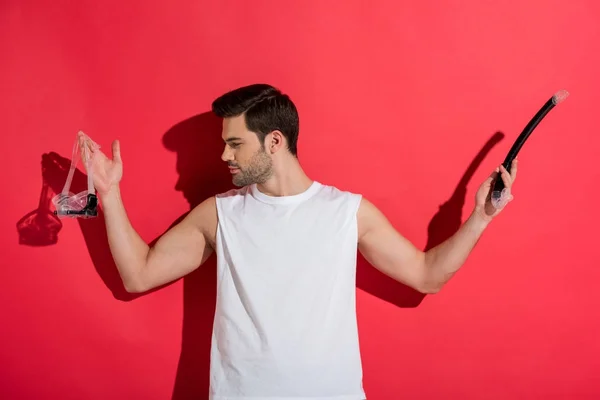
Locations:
{"points": [[285, 322]]}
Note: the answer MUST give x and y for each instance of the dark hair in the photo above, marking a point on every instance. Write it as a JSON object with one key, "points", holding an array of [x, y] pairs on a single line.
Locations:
{"points": [[265, 109]]}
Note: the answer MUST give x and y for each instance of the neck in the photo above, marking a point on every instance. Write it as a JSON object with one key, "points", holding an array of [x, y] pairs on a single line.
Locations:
{"points": [[288, 179]]}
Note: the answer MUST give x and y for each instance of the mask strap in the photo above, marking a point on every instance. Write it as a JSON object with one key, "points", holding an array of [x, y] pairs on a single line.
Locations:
{"points": [[74, 160], [87, 158]]}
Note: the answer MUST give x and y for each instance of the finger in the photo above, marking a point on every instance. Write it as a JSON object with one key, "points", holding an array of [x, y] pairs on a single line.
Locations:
{"points": [[505, 177], [116, 151], [513, 169], [84, 151], [493, 176], [81, 142]]}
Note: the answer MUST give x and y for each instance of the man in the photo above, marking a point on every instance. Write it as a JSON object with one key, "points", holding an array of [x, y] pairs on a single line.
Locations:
{"points": [[286, 245]]}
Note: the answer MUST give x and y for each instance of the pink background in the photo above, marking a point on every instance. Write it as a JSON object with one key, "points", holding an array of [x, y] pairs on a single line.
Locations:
{"points": [[397, 99]]}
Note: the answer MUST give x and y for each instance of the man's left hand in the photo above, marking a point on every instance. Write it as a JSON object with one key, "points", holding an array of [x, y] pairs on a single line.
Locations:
{"points": [[483, 201]]}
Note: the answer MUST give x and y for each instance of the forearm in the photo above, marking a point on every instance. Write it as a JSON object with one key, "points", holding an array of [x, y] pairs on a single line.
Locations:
{"points": [[128, 249], [444, 260]]}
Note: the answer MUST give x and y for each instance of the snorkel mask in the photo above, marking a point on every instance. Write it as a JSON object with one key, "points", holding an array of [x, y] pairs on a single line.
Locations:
{"points": [[83, 204]]}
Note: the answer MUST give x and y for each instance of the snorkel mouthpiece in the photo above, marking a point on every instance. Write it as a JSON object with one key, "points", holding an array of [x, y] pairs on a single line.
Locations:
{"points": [[559, 97], [499, 194]]}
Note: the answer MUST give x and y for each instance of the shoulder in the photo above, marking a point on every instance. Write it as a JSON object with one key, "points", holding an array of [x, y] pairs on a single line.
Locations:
{"points": [[347, 200], [232, 194], [231, 200], [205, 211], [204, 218], [217, 202], [370, 218], [367, 211], [337, 192]]}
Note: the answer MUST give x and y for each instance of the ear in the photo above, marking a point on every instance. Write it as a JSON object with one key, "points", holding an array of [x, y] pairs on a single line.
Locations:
{"points": [[275, 141]]}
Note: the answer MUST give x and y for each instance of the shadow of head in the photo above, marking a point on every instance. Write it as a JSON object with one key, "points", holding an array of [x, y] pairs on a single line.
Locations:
{"points": [[198, 144]]}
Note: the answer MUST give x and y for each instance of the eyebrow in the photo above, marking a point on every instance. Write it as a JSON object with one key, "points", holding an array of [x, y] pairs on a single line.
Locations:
{"points": [[232, 139]]}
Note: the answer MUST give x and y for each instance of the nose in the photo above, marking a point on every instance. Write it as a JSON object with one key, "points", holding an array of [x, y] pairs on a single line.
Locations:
{"points": [[226, 155]]}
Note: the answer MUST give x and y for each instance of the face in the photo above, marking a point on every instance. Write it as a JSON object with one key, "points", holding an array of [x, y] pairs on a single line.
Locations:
{"points": [[246, 157]]}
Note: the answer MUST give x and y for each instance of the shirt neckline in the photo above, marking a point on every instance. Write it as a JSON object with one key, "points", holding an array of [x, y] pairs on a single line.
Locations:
{"points": [[296, 198]]}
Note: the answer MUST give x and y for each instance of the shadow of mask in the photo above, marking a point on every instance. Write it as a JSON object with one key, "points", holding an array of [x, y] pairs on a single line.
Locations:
{"points": [[40, 227], [201, 173], [55, 170]]}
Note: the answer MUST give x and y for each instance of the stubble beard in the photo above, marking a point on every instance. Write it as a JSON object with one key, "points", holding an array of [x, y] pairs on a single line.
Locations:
{"points": [[259, 170]]}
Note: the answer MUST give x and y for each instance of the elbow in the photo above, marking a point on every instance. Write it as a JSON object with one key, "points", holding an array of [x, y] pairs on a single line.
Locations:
{"points": [[134, 278], [429, 288], [133, 286], [431, 281]]}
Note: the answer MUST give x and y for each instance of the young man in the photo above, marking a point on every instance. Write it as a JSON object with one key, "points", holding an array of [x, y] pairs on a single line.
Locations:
{"points": [[286, 246]]}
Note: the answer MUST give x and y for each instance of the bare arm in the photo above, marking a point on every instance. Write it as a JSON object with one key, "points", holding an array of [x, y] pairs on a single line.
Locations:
{"points": [[142, 267], [394, 255], [387, 250], [178, 252]]}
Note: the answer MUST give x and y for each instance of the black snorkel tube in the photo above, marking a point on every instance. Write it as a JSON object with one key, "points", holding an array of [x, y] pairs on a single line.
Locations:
{"points": [[556, 99]]}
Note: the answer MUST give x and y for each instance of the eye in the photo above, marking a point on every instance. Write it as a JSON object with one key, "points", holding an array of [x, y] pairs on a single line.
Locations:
{"points": [[234, 145]]}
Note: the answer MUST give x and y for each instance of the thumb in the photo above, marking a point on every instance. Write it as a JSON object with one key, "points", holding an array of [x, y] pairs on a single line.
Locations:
{"points": [[116, 151]]}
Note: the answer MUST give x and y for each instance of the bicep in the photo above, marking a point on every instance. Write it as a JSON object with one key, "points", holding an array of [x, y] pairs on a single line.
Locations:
{"points": [[386, 249], [183, 248]]}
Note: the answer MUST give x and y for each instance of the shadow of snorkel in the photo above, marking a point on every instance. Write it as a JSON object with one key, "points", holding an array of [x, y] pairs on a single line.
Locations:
{"points": [[446, 221]]}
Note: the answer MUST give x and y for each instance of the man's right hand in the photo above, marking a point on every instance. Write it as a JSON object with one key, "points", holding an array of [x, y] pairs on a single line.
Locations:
{"points": [[106, 173]]}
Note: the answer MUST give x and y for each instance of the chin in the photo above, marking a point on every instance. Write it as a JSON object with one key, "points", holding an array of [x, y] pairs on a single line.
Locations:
{"points": [[238, 183]]}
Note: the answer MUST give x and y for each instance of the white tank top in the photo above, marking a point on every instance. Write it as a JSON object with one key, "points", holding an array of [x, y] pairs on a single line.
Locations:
{"points": [[285, 322]]}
